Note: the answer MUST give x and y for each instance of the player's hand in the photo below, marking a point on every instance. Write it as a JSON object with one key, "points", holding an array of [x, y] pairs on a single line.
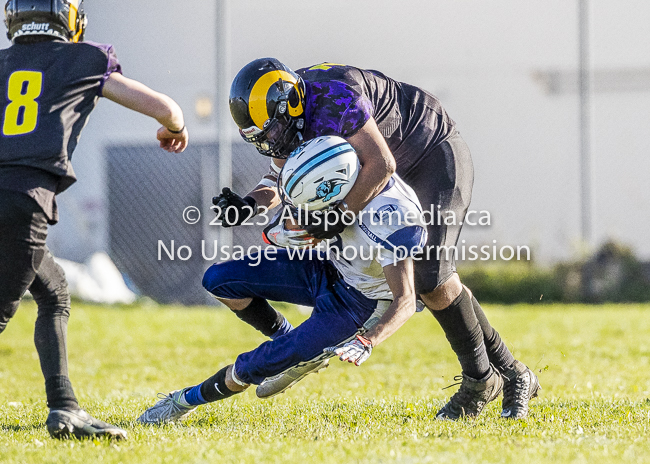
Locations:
{"points": [[233, 210], [171, 142], [330, 225], [356, 351], [277, 234]]}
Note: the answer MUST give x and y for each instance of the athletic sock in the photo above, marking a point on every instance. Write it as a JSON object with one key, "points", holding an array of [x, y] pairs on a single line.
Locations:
{"points": [[60, 394], [263, 317], [215, 389], [193, 397], [465, 336], [499, 354]]}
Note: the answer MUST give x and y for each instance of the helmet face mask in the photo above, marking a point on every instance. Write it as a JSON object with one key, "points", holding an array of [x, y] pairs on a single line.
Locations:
{"points": [[62, 19], [267, 103]]}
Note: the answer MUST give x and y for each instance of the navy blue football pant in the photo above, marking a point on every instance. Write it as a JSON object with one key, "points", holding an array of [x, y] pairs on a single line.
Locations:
{"points": [[339, 310]]}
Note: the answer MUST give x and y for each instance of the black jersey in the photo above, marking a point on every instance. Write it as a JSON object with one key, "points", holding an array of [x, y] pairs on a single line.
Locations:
{"points": [[47, 92], [340, 99]]}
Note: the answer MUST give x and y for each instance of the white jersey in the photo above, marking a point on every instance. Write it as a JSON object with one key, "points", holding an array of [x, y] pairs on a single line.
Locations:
{"points": [[389, 229]]}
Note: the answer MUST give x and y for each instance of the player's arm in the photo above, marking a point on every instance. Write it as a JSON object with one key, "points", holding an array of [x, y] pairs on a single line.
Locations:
{"points": [[234, 210], [266, 191], [400, 280], [377, 165], [173, 135]]}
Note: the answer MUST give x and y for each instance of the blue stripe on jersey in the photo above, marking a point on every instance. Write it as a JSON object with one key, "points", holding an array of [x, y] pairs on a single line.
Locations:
{"points": [[376, 239], [317, 161], [409, 237]]}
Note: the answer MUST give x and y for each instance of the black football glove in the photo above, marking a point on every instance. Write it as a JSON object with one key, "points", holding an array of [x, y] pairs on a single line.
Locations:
{"points": [[331, 224], [233, 210]]}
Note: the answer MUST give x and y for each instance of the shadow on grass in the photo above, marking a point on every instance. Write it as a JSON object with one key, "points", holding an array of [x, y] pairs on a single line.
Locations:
{"points": [[21, 428]]}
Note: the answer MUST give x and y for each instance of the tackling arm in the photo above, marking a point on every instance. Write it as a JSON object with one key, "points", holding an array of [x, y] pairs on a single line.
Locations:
{"points": [[138, 97], [377, 165]]}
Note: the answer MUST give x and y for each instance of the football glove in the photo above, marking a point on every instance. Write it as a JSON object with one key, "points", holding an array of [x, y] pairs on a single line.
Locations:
{"points": [[355, 351], [233, 210], [330, 225], [276, 234]]}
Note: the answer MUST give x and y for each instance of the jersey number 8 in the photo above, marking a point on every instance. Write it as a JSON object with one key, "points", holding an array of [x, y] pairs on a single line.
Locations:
{"points": [[21, 115]]}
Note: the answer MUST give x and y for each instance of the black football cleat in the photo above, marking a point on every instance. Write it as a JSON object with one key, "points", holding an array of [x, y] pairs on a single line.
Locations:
{"points": [[472, 396], [62, 423], [519, 387]]}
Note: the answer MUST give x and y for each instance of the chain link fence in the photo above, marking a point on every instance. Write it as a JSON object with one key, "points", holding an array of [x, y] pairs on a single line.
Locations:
{"points": [[148, 192]]}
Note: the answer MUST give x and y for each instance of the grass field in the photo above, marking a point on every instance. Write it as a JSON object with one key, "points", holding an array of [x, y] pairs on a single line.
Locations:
{"points": [[593, 363]]}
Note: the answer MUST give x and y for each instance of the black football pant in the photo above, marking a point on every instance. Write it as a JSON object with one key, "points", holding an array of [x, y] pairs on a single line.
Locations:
{"points": [[444, 179], [26, 263]]}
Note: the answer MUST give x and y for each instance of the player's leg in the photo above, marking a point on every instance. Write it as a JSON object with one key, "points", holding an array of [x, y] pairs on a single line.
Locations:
{"points": [[50, 291], [66, 418], [245, 286], [446, 182], [520, 383], [339, 312], [463, 320], [23, 230]]}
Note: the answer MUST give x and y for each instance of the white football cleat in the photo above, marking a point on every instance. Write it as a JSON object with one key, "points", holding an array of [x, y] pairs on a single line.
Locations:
{"points": [[275, 385], [168, 409]]}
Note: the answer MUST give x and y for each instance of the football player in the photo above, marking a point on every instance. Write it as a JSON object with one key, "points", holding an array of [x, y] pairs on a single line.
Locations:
{"points": [[395, 128], [50, 81], [364, 282]]}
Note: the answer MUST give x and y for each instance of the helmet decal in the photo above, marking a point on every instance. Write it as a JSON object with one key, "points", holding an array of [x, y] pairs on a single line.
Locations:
{"points": [[72, 15], [250, 131], [328, 189], [257, 101], [295, 111]]}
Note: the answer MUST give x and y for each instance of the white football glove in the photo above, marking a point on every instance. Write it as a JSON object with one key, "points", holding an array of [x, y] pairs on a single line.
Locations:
{"points": [[276, 234], [355, 351], [282, 237]]}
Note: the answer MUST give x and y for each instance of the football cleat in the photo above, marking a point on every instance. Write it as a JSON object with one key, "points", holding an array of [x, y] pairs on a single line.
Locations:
{"points": [[472, 396], [168, 409], [519, 387], [62, 423], [279, 383]]}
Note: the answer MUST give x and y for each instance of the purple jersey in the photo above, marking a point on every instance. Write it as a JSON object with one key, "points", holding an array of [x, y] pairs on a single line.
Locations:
{"points": [[341, 99]]}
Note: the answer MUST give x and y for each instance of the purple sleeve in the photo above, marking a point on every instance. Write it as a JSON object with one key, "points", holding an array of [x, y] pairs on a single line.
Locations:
{"points": [[337, 109], [355, 116], [113, 64]]}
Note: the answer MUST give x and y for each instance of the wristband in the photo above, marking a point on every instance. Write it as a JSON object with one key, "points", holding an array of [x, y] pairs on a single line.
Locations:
{"points": [[342, 206], [176, 132], [365, 342]]}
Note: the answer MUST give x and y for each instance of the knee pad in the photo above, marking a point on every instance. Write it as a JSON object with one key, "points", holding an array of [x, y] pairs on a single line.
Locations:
{"points": [[7, 311], [53, 298], [214, 276], [218, 277]]}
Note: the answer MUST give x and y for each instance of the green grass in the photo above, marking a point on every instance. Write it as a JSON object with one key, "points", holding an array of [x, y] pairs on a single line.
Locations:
{"points": [[593, 363]]}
